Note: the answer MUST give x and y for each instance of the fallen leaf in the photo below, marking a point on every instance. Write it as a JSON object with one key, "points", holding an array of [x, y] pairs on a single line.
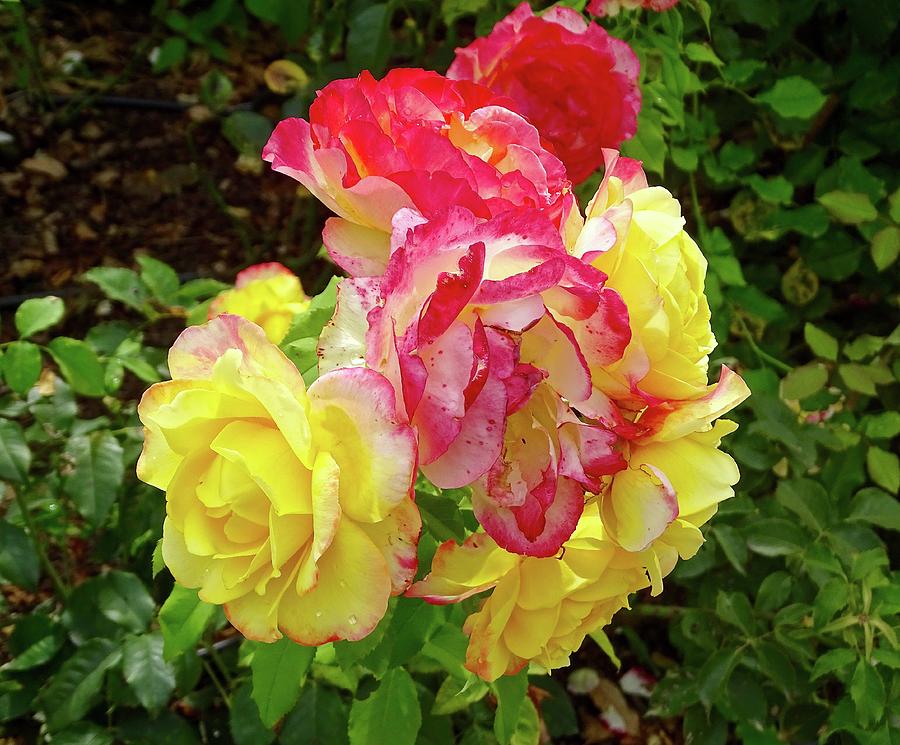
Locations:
{"points": [[45, 165]]}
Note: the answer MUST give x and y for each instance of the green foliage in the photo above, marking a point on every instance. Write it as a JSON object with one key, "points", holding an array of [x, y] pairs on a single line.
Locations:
{"points": [[775, 125]]}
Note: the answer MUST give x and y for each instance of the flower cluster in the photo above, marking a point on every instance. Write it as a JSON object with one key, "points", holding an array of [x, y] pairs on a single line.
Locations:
{"points": [[490, 334]]}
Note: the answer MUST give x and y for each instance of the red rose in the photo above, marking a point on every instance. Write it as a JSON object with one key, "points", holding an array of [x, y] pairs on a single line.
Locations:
{"points": [[571, 79]]}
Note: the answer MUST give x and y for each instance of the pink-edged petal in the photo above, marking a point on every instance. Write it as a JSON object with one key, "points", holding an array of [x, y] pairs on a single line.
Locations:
{"points": [[478, 443], [397, 537], [354, 416], [604, 336], [587, 453], [261, 271], [342, 342], [452, 293], [438, 416], [552, 346], [359, 250], [481, 354], [525, 284], [674, 419], [541, 525], [459, 571]]}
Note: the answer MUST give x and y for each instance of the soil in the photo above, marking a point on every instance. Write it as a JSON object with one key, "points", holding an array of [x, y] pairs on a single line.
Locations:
{"points": [[83, 183]]}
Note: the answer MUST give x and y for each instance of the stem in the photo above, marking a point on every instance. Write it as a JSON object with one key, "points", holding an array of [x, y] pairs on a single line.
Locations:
{"points": [[764, 357], [217, 683], [652, 610], [37, 538], [214, 655]]}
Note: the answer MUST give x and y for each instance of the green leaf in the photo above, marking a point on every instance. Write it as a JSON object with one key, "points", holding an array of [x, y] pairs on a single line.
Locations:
{"points": [[603, 641], [97, 472], [453, 9], [528, 728], [713, 676], [883, 426], [773, 592], [833, 596], [160, 279], [278, 671], [390, 715], [122, 598], [79, 365], [649, 144], [733, 546], [858, 378], [319, 718], [441, 515], [510, 691], [369, 38], [170, 53], [874, 506], [851, 208], [455, 695], [74, 689], [18, 558], [247, 131], [21, 366], [886, 247], [702, 53], [37, 314], [182, 619], [150, 677], [863, 346], [884, 468], [35, 641], [246, 726], [118, 283], [831, 661], [808, 500], [83, 733], [734, 608], [157, 562], [299, 344], [777, 190], [868, 693], [15, 456], [793, 97], [775, 537], [804, 381]]}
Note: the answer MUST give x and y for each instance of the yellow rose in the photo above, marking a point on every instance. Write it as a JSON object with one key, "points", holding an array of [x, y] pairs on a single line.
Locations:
{"points": [[635, 234], [540, 609], [656, 506], [657, 397], [292, 508], [269, 294]]}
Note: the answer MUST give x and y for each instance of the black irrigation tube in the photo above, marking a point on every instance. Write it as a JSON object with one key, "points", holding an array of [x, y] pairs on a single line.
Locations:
{"points": [[152, 104]]}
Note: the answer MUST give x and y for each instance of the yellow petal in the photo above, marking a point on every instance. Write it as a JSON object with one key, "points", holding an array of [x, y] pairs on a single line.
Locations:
{"points": [[350, 597]]}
